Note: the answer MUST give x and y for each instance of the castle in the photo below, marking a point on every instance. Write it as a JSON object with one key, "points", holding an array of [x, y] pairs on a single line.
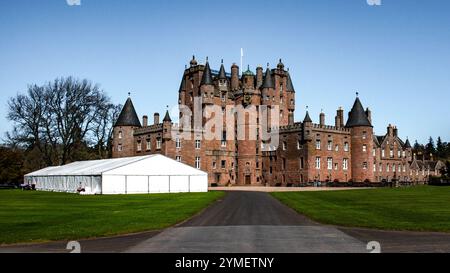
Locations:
{"points": [[304, 152]]}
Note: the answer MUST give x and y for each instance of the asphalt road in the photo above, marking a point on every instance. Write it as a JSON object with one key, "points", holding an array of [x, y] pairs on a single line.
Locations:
{"points": [[249, 209], [247, 222]]}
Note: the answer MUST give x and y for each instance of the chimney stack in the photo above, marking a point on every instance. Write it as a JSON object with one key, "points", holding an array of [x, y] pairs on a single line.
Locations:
{"points": [[322, 119], [395, 131], [234, 77], [156, 119], [340, 114], [369, 115], [259, 76], [144, 121], [390, 130]]}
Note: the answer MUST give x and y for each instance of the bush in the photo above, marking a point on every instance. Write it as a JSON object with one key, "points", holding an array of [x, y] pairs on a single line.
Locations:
{"points": [[439, 181]]}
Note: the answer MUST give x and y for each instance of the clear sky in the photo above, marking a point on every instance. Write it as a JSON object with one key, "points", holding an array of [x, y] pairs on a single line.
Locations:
{"points": [[397, 55]]}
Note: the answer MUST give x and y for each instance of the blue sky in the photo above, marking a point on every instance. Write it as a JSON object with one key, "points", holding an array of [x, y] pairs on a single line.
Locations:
{"points": [[397, 55]]}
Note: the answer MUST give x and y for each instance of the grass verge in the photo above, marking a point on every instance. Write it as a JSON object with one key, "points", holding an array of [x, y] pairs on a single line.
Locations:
{"points": [[43, 216], [423, 208]]}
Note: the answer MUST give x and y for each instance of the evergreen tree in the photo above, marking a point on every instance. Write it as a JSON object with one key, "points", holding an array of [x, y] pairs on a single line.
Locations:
{"points": [[430, 149], [440, 148]]}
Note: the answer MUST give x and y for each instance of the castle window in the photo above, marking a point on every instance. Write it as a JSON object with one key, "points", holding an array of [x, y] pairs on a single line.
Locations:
{"points": [[119, 148], [284, 146], [284, 163], [391, 153], [158, 143], [292, 102], [399, 154], [214, 165], [330, 163], [197, 144], [120, 134], [346, 147], [381, 168], [318, 145], [404, 154], [330, 145], [374, 152], [224, 139], [345, 164], [301, 163], [223, 164], [336, 148], [404, 168], [336, 166], [364, 148], [197, 162], [178, 158], [139, 146], [149, 145], [177, 143], [364, 136], [374, 167], [383, 153], [365, 165], [394, 168], [317, 163], [299, 145], [388, 168]]}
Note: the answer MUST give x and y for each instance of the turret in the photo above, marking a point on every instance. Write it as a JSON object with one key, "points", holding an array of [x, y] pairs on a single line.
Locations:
{"points": [[167, 126], [123, 139], [307, 127], [222, 76], [267, 87], [361, 144], [248, 79], [207, 85]]}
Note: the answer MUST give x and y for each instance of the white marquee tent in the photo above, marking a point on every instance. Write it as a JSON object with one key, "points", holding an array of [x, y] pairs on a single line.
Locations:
{"points": [[134, 175]]}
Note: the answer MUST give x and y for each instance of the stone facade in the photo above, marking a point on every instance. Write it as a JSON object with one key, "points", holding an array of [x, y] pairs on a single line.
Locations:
{"points": [[306, 152]]}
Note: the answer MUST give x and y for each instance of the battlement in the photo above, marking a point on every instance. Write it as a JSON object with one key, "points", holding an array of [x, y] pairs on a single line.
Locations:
{"points": [[149, 129], [330, 128]]}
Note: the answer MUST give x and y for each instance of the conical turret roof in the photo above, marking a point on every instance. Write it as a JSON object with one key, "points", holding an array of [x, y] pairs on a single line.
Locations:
{"points": [[268, 82], [207, 76], [128, 116], [357, 116]]}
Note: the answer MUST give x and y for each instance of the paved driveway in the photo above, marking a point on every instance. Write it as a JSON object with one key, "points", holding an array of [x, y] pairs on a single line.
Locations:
{"points": [[250, 222]]}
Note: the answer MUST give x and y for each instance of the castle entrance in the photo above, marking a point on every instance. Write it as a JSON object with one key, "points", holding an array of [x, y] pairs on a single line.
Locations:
{"points": [[248, 180]]}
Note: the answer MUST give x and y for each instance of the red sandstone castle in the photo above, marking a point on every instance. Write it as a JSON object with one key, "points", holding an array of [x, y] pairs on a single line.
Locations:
{"points": [[305, 151]]}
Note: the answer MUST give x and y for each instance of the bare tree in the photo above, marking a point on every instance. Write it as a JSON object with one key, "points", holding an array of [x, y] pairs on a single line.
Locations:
{"points": [[61, 116]]}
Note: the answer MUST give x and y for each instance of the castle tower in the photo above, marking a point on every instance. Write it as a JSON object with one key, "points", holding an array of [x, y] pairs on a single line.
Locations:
{"points": [[267, 93], [290, 93], [123, 131], [361, 144], [408, 148], [207, 85], [167, 126]]}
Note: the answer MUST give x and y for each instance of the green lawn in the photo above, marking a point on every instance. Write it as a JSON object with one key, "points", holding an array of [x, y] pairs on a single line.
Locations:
{"points": [[42, 216], [423, 208]]}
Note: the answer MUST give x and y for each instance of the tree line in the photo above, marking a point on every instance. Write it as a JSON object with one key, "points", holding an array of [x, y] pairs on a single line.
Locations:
{"points": [[439, 150], [62, 121]]}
